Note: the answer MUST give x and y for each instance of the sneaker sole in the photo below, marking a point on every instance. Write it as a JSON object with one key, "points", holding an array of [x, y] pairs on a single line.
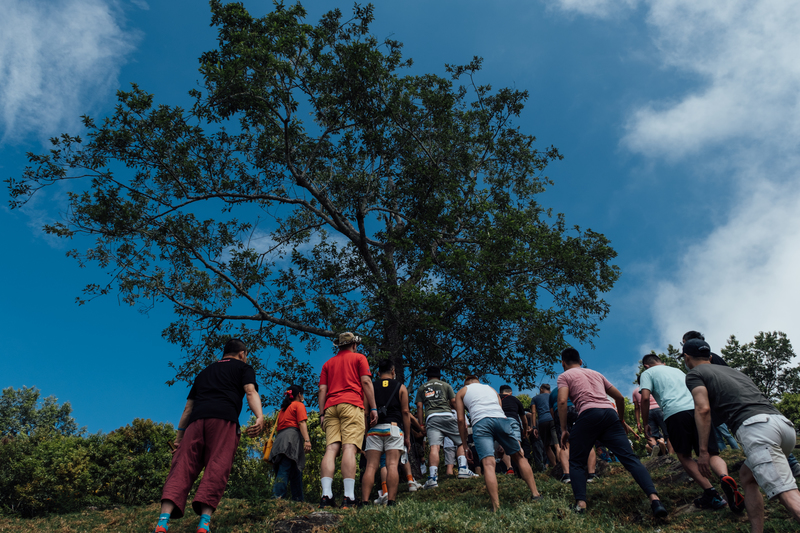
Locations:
{"points": [[732, 494]]}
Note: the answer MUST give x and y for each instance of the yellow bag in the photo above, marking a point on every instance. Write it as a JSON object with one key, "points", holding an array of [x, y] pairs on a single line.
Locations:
{"points": [[270, 440]]}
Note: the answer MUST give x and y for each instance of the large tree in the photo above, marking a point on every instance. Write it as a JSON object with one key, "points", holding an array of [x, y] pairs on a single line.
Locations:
{"points": [[768, 361], [313, 188]]}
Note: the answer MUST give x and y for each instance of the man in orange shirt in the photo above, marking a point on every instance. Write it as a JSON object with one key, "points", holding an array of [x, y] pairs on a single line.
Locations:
{"points": [[344, 383]]}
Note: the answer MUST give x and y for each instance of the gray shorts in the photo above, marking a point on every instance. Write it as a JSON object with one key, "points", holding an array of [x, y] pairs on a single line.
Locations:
{"points": [[767, 440], [449, 456], [439, 427]]}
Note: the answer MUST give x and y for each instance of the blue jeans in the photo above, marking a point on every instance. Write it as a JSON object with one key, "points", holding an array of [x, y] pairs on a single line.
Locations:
{"points": [[724, 435], [288, 473], [603, 425]]}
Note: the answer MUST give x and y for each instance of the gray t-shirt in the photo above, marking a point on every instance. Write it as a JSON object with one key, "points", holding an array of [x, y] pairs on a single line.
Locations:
{"points": [[732, 395], [435, 396], [542, 403]]}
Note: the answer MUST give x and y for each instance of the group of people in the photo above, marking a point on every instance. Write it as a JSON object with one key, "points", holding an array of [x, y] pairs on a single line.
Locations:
{"points": [[358, 414]]}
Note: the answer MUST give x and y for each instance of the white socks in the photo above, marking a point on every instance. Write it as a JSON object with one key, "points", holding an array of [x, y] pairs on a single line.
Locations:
{"points": [[350, 488], [462, 461], [434, 470], [327, 487]]}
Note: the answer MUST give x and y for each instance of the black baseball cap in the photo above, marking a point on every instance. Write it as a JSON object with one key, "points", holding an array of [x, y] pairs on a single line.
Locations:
{"points": [[697, 348]]}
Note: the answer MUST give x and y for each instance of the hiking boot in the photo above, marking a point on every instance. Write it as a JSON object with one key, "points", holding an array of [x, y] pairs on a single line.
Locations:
{"points": [[466, 473], [710, 499], [349, 503], [413, 486], [732, 494], [659, 511], [565, 478], [327, 501], [432, 483]]}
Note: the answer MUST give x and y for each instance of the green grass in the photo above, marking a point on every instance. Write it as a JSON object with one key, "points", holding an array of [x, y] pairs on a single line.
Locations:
{"points": [[616, 504]]}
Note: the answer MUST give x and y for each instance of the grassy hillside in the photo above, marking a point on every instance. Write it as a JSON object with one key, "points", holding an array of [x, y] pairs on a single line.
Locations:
{"points": [[616, 504]]}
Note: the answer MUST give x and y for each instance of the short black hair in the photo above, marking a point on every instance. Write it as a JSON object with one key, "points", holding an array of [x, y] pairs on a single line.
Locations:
{"points": [[651, 359], [385, 366], [689, 335], [505, 388], [570, 355], [234, 346], [544, 386], [434, 372], [471, 378]]}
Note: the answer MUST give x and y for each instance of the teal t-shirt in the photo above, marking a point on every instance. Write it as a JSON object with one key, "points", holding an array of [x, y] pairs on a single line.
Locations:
{"points": [[668, 385]]}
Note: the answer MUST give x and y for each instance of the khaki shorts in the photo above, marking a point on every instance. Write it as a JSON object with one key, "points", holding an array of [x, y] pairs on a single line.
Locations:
{"points": [[767, 440], [344, 423]]}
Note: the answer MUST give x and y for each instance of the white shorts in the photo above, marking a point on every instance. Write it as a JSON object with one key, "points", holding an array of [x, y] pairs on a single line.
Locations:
{"points": [[767, 440], [449, 456], [385, 437]]}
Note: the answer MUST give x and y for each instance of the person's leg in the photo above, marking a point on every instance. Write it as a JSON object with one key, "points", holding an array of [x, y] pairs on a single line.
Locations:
{"points": [[726, 435], [327, 467], [507, 462], [592, 461], [613, 436], [563, 457], [296, 482], [525, 472], [791, 500], [186, 466], [279, 486], [691, 468], [753, 500], [581, 441], [368, 478], [349, 469], [719, 438], [221, 440], [392, 473], [490, 478], [433, 459]]}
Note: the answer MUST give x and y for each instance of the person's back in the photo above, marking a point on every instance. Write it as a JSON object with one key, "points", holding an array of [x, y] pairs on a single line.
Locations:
{"points": [[481, 402], [668, 386], [435, 396], [513, 408], [587, 388], [733, 396], [387, 400], [342, 374], [542, 404], [218, 390]]}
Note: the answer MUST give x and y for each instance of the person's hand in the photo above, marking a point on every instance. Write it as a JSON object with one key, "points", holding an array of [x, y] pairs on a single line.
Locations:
{"points": [[648, 432], [535, 432], [256, 429], [639, 426], [704, 463], [322, 421], [373, 417], [307, 446], [468, 454], [564, 439], [407, 442], [173, 446]]}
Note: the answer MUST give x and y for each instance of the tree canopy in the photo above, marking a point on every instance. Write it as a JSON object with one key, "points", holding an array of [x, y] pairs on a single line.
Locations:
{"points": [[313, 188], [767, 360], [22, 414]]}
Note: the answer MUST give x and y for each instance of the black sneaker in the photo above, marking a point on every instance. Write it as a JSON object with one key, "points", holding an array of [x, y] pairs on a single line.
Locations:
{"points": [[591, 478], [349, 503], [390, 503], [659, 511], [565, 478], [710, 499], [327, 501], [732, 494]]}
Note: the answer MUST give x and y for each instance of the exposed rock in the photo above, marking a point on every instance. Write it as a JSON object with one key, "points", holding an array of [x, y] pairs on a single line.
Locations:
{"points": [[318, 521]]}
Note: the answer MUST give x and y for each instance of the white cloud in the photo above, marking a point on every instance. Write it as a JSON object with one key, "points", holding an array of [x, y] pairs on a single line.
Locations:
{"points": [[595, 8], [141, 4], [57, 60], [745, 54]]}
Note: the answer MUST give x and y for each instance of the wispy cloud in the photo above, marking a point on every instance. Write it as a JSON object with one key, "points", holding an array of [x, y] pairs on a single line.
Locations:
{"points": [[594, 8], [58, 59], [739, 123]]}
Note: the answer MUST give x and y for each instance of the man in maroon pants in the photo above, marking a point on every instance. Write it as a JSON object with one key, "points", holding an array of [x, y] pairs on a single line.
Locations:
{"points": [[208, 434]]}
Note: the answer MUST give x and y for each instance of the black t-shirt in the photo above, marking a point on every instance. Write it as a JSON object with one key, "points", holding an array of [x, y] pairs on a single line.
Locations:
{"points": [[394, 413], [513, 408], [218, 390]]}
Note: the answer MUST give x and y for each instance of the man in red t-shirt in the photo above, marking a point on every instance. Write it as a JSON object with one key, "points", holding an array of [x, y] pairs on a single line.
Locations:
{"points": [[344, 383]]}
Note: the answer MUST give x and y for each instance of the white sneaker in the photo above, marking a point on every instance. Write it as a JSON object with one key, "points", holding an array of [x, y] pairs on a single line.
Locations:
{"points": [[432, 483], [466, 473], [383, 498], [413, 486]]}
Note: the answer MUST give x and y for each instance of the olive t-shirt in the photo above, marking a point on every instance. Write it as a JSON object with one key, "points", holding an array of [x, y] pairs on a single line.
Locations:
{"points": [[733, 396], [435, 396]]}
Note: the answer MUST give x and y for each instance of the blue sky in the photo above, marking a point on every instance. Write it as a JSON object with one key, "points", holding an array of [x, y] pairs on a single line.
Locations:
{"points": [[678, 119]]}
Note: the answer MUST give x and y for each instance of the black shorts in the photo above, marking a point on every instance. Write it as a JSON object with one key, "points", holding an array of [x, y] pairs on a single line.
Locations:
{"points": [[684, 437], [547, 431]]}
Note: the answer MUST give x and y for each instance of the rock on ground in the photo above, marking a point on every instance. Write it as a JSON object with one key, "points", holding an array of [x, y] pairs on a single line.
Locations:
{"points": [[318, 521]]}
